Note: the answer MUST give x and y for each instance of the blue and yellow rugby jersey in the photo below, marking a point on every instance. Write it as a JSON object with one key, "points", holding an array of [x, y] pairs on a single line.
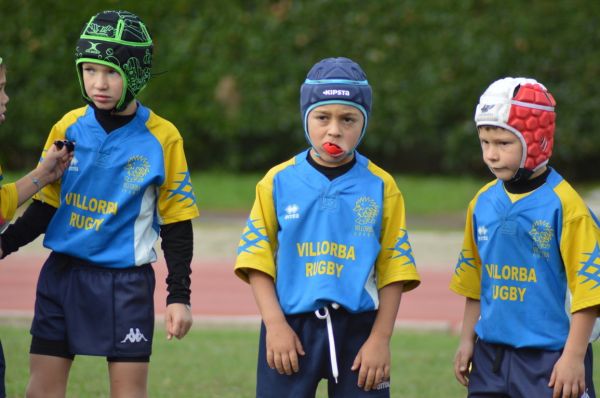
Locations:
{"points": [[8, 201], [525, 258], [327, 241], [118, 189]]}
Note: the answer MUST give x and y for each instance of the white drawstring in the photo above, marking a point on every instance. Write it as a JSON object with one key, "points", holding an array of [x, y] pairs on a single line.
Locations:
{"points": [[332, 354]]}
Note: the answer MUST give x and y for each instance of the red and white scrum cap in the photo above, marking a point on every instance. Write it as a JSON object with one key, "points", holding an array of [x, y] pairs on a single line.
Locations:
{"points": [[526, 108]]}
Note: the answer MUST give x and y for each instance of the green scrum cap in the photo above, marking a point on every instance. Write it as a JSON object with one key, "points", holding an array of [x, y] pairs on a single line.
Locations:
{"points": [[120, 40]]}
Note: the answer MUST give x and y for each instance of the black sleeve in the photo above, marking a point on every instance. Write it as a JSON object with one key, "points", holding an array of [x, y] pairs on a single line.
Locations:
{"points": [[26, 228], [178, 245]]}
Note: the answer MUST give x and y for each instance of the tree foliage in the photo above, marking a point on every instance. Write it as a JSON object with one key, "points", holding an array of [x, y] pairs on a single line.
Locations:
{"points": [[228, 74]]}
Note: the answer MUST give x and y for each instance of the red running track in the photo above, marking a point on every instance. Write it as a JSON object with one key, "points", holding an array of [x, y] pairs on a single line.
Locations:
{"points": [[219, 296]]}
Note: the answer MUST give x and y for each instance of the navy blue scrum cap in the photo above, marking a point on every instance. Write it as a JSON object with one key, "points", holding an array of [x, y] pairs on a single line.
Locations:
{"points": [[335, 81]]}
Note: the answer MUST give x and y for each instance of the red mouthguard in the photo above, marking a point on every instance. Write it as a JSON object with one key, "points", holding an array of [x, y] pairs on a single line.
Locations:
{"points": [[332, 149]]}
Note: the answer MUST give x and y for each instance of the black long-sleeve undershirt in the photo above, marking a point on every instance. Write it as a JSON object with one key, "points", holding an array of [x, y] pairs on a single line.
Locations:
{"points": [[28, 227], [177, 245]]}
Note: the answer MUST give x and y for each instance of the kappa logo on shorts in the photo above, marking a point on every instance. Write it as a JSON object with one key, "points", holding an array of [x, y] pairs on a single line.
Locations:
{"points": [[134, 337]]}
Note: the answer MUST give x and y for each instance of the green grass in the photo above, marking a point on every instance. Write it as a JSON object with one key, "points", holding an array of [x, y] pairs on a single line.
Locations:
{"points": [[223, 192], [221, 362], [435, 195]]}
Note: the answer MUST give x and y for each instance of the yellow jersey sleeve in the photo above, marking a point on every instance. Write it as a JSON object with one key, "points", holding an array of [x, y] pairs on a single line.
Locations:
{"points": [[176, 198], [50, 194], [466, 279], [258, 244], [8, 202], [395, 262], [580, 249]]}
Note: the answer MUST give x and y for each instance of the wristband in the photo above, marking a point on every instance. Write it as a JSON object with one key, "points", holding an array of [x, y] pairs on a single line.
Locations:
{"points": [[36, 182]]}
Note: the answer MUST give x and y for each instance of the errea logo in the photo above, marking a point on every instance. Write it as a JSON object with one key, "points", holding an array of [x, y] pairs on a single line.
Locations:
{"points": [[344, 93], [482, 233], [486, 108], [292, 212], [73, 166]]}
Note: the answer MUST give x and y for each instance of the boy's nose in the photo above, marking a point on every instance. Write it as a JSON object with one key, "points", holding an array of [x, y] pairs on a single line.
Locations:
{"points": [[101, 82], [490, 153], [334, 129]]}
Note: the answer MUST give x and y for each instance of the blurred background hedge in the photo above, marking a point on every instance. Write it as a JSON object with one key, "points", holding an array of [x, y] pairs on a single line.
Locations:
{"points": [[227, 73]]}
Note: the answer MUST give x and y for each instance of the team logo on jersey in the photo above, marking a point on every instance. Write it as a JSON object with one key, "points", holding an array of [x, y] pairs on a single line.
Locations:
{"points": [[365, 211], [482, 233], [542, 233], [252, 236], [590, 269], [136, 169], [291, 212]]}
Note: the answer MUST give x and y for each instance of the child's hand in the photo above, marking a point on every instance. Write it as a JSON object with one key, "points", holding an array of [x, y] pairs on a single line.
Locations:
{"points": [[568, 378], [54, 164], [178, 320], [373, 360], [283, 347], [462, 362]]}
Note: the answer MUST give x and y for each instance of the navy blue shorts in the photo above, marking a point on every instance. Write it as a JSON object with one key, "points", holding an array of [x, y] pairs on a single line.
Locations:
{"points": [[90, 310], [500, 371], [2, 371], [350, 332]]}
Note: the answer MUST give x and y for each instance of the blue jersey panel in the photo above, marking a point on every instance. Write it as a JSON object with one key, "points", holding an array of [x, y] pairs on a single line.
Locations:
{"points": [[327, 241], [328, 256], [523, 279], [110, 194]]}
